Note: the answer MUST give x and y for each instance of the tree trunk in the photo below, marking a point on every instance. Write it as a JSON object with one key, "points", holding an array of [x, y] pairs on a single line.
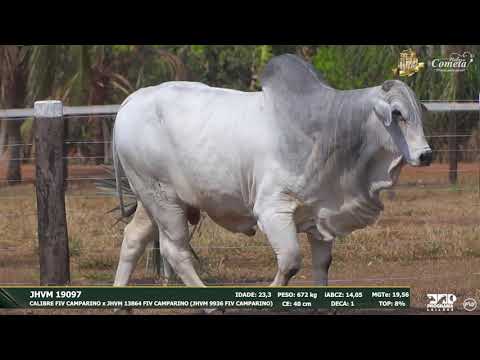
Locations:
{"points": [[14, 174], [15, 89], [97, 97], [3, 137], [452, 149], [458, 94], [98, 152], [106, 142]]}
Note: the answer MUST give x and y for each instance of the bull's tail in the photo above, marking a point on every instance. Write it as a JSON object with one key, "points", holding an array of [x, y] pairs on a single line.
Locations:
{"points": [[117, 165]]}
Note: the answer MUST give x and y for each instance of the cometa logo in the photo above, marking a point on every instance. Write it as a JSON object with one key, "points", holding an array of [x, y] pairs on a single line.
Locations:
{"points": [[454, 63]]}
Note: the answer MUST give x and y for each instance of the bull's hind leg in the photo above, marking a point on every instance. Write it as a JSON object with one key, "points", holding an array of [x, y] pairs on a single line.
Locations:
{"points": [[137, 234], [170, 215], [174, 245]]}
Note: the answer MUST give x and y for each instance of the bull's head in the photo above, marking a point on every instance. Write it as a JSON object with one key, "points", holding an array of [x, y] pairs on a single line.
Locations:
{"points": [[401, 113]]}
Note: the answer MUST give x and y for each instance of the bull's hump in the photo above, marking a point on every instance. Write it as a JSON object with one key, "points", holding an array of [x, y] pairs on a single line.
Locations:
{"points": [[293, 74]]}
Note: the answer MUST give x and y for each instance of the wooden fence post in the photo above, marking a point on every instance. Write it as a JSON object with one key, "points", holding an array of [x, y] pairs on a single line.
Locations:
{"points": [[66, 129], [49, 183]]}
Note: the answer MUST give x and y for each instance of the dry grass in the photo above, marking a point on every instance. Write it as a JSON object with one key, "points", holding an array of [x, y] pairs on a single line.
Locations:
{"points": [[427, 238]]}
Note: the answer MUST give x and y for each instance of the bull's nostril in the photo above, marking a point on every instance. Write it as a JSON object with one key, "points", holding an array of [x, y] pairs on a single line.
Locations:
{"points": [[426, 158]]}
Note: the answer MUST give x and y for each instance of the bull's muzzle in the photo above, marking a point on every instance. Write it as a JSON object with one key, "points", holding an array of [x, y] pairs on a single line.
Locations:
{"points": [[426, 157]]}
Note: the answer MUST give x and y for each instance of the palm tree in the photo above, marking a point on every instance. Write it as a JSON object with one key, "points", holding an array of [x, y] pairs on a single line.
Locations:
{"points": [[89, 75], [12, 94]]}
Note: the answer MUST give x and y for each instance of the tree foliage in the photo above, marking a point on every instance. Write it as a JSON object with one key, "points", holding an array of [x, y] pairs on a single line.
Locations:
{"points": [[106, 74]]}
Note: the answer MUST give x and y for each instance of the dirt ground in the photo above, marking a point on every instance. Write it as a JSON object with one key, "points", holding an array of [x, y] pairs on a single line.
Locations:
{"points": [[428, 238]]}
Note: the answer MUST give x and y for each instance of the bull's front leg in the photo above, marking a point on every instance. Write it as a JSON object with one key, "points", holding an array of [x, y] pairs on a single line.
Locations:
{"points": [[278, 225], [321, 259]]}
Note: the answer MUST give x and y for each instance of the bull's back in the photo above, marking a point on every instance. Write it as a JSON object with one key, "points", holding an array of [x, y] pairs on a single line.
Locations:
{"points": [[196, 138]]}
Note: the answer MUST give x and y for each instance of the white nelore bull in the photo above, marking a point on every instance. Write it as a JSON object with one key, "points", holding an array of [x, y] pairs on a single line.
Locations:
{"points": [[298, 156]]}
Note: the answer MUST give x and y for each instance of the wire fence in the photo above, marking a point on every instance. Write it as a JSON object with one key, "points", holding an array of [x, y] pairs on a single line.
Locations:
{"points": [[88, 170]]}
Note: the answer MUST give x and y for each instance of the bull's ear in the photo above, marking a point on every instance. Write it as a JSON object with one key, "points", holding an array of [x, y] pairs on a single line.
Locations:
{"points": [[424, 108], [384, 112]]}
